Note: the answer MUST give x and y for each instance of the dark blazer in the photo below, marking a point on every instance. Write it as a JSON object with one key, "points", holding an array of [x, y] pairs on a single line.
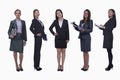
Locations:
{"points": [[107, 32], [13, 25], [88, 26], [63, 32], [36, 28]]}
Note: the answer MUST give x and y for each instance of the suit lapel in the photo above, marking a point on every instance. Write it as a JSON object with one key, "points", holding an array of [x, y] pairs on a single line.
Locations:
{"points": [[62, 23], [22, 25], [15, 24], [41, 24]]}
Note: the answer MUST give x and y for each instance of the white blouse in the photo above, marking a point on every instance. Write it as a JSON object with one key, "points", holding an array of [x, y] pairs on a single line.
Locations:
{"points": [[41, 22], [60, 23], [19, 26]]}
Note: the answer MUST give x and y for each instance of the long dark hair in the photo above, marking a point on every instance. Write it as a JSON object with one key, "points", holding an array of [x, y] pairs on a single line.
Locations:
{"points": [[114, 16], [89, 15], [56, 13], [34, 12]]}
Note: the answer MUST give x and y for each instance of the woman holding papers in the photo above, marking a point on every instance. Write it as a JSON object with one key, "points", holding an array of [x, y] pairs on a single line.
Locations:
{"points": [[108, 36], [61, 37], [18, 36], [85, 28]]}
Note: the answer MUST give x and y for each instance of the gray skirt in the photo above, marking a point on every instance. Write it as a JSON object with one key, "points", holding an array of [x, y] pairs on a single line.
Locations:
{"points": [[16, 44], [85, 45]]}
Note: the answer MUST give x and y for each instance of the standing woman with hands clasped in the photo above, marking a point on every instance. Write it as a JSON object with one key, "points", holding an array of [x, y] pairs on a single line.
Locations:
{"points": [[85, 28], [37, 28], [18, 36], [108, 36], [61, 37]]}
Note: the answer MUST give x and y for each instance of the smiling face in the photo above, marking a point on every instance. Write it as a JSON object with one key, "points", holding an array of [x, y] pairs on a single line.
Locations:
{"points": [[110, 13], [59, 14], [18, 14], [36, 14], [86, 14]]}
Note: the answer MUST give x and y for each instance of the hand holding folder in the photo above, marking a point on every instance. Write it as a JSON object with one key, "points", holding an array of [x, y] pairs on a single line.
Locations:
{"points": [[100, 26], [12, 33], [76, 26]]}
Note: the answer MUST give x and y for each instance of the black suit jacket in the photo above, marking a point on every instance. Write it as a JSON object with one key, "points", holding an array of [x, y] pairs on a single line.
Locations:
{"points": [[13, 25], [63, 32], [36, 27], [109, 25], [107, 32]]}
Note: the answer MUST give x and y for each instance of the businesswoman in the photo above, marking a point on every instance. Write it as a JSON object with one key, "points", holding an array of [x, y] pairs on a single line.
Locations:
{"points": [[85, 28], [108, 36], [61, 37], [37, 28], [18, 36]]}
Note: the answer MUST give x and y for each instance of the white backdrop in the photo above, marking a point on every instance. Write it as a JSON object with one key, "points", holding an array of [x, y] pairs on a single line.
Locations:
{"points": [[73, 11]]}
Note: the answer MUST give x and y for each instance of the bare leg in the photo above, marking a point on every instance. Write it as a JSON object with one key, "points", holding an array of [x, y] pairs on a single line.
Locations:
{"points": [[63, 57], [15, 59], [58, 56], [21, 59], [86, 60]]}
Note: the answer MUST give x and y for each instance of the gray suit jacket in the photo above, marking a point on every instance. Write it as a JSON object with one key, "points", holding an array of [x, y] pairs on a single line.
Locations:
{"points": [[13, 25], [88, 26]]}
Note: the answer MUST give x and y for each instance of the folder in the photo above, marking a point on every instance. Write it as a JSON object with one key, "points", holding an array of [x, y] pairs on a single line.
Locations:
{"points": [[99, 26], [76, 26]]}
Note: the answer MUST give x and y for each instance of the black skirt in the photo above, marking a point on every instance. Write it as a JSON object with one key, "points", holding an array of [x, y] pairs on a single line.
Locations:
{"points": [[60, 43], [108, 41]]}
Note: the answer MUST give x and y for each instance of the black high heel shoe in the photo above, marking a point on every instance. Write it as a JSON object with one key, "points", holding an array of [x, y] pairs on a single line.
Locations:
{"points": [[85, 69], [109, 67], [61, 68], [21, 69], [17, 69], [58, 69], [38, 68]]}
